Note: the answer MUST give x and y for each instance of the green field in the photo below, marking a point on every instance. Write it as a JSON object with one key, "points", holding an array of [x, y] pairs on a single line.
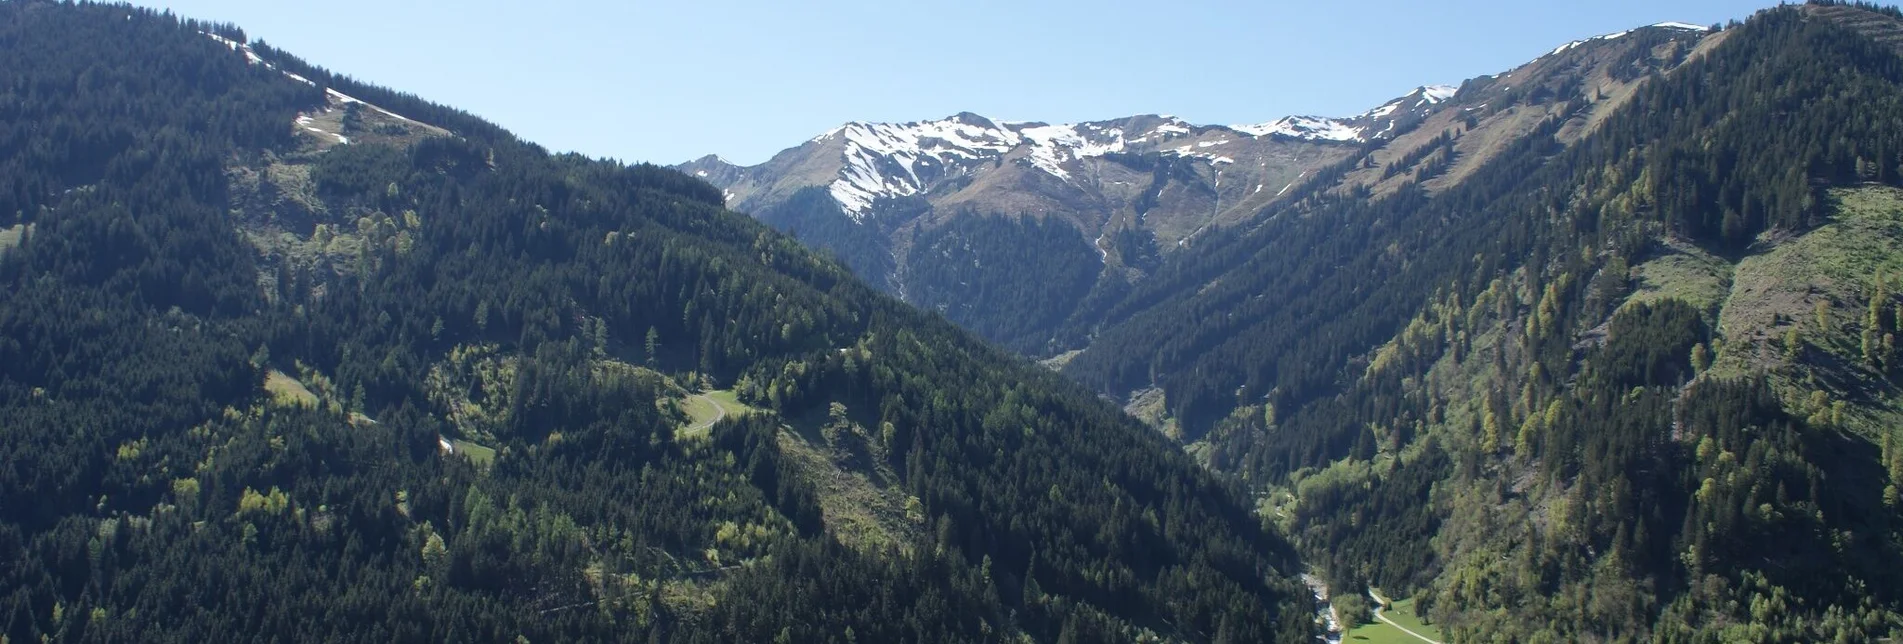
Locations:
{"points": [[703, 410], [1379, 633], [10, 236], [1684, 272], [287, 391], [1383, 633], [481, 456]]}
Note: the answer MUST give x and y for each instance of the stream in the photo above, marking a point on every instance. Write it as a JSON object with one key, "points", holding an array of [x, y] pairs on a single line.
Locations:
{"points": [[1324, 609]]}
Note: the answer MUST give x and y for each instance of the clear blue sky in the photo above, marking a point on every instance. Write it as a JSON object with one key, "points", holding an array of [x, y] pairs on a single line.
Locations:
{"points": [[666, 82]]}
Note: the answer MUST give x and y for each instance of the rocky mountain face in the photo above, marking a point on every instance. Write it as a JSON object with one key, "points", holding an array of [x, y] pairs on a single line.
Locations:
{"points": [[918, 208]]}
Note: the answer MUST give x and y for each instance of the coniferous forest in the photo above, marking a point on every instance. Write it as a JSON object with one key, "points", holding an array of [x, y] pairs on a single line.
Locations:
{"points": [[1488, 398], [288, 356], [430, 385]]}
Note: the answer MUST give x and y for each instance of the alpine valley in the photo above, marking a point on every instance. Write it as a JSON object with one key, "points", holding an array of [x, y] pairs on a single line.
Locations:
{"points": [[1598, 349]]}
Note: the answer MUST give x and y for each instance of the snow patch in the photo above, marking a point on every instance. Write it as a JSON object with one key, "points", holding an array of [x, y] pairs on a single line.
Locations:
{"points": [[341, 139], [347, 99], [1421, 98], [1307, 128], [1291, 184], [253, 58], [883, 160], [1680, 26], [1052, 145]]}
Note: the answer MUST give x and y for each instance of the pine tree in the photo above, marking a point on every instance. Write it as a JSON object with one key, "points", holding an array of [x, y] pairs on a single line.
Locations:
{"points": [[1490, 432]]}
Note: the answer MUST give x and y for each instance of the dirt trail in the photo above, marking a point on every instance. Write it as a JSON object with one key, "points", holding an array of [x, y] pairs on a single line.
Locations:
{"points": [[719, 415], [1380, 601]]}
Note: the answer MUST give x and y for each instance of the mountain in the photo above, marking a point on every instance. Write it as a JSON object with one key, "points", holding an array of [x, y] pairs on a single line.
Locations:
{"points": [[288, 356], [1027, 232], [908, 206], [1559, 98], [1600, 351], [1600, 348]]}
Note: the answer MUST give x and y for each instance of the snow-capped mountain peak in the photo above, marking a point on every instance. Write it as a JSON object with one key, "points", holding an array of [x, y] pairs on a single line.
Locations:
{"points": [[1421, 98], [895, 160], [1351, 130], [1438, 93], [886, 159]]}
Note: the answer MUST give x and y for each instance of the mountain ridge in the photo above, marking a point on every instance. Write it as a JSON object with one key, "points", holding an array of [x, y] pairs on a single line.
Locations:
{"points": [[1555, 398], [970, 136], [1135, 191]]}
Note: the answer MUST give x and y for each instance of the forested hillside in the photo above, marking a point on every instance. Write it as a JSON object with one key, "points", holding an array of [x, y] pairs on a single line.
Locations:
{"points": [[285, 356], [1631, 379]]}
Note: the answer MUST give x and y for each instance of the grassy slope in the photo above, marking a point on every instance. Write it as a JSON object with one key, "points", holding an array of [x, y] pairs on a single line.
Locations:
{"points": [[862, 504], [1684, 272], [10, 236], [1383, 633], [1757, 300], [861, 500], [480, 455], [1403, 614], [1753, 302], [703, 410], [287, 391], [1777, 290]]}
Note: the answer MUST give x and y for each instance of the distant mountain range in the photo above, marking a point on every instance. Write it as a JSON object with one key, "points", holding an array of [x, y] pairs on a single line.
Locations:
{"points": [[1134, 190]]}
